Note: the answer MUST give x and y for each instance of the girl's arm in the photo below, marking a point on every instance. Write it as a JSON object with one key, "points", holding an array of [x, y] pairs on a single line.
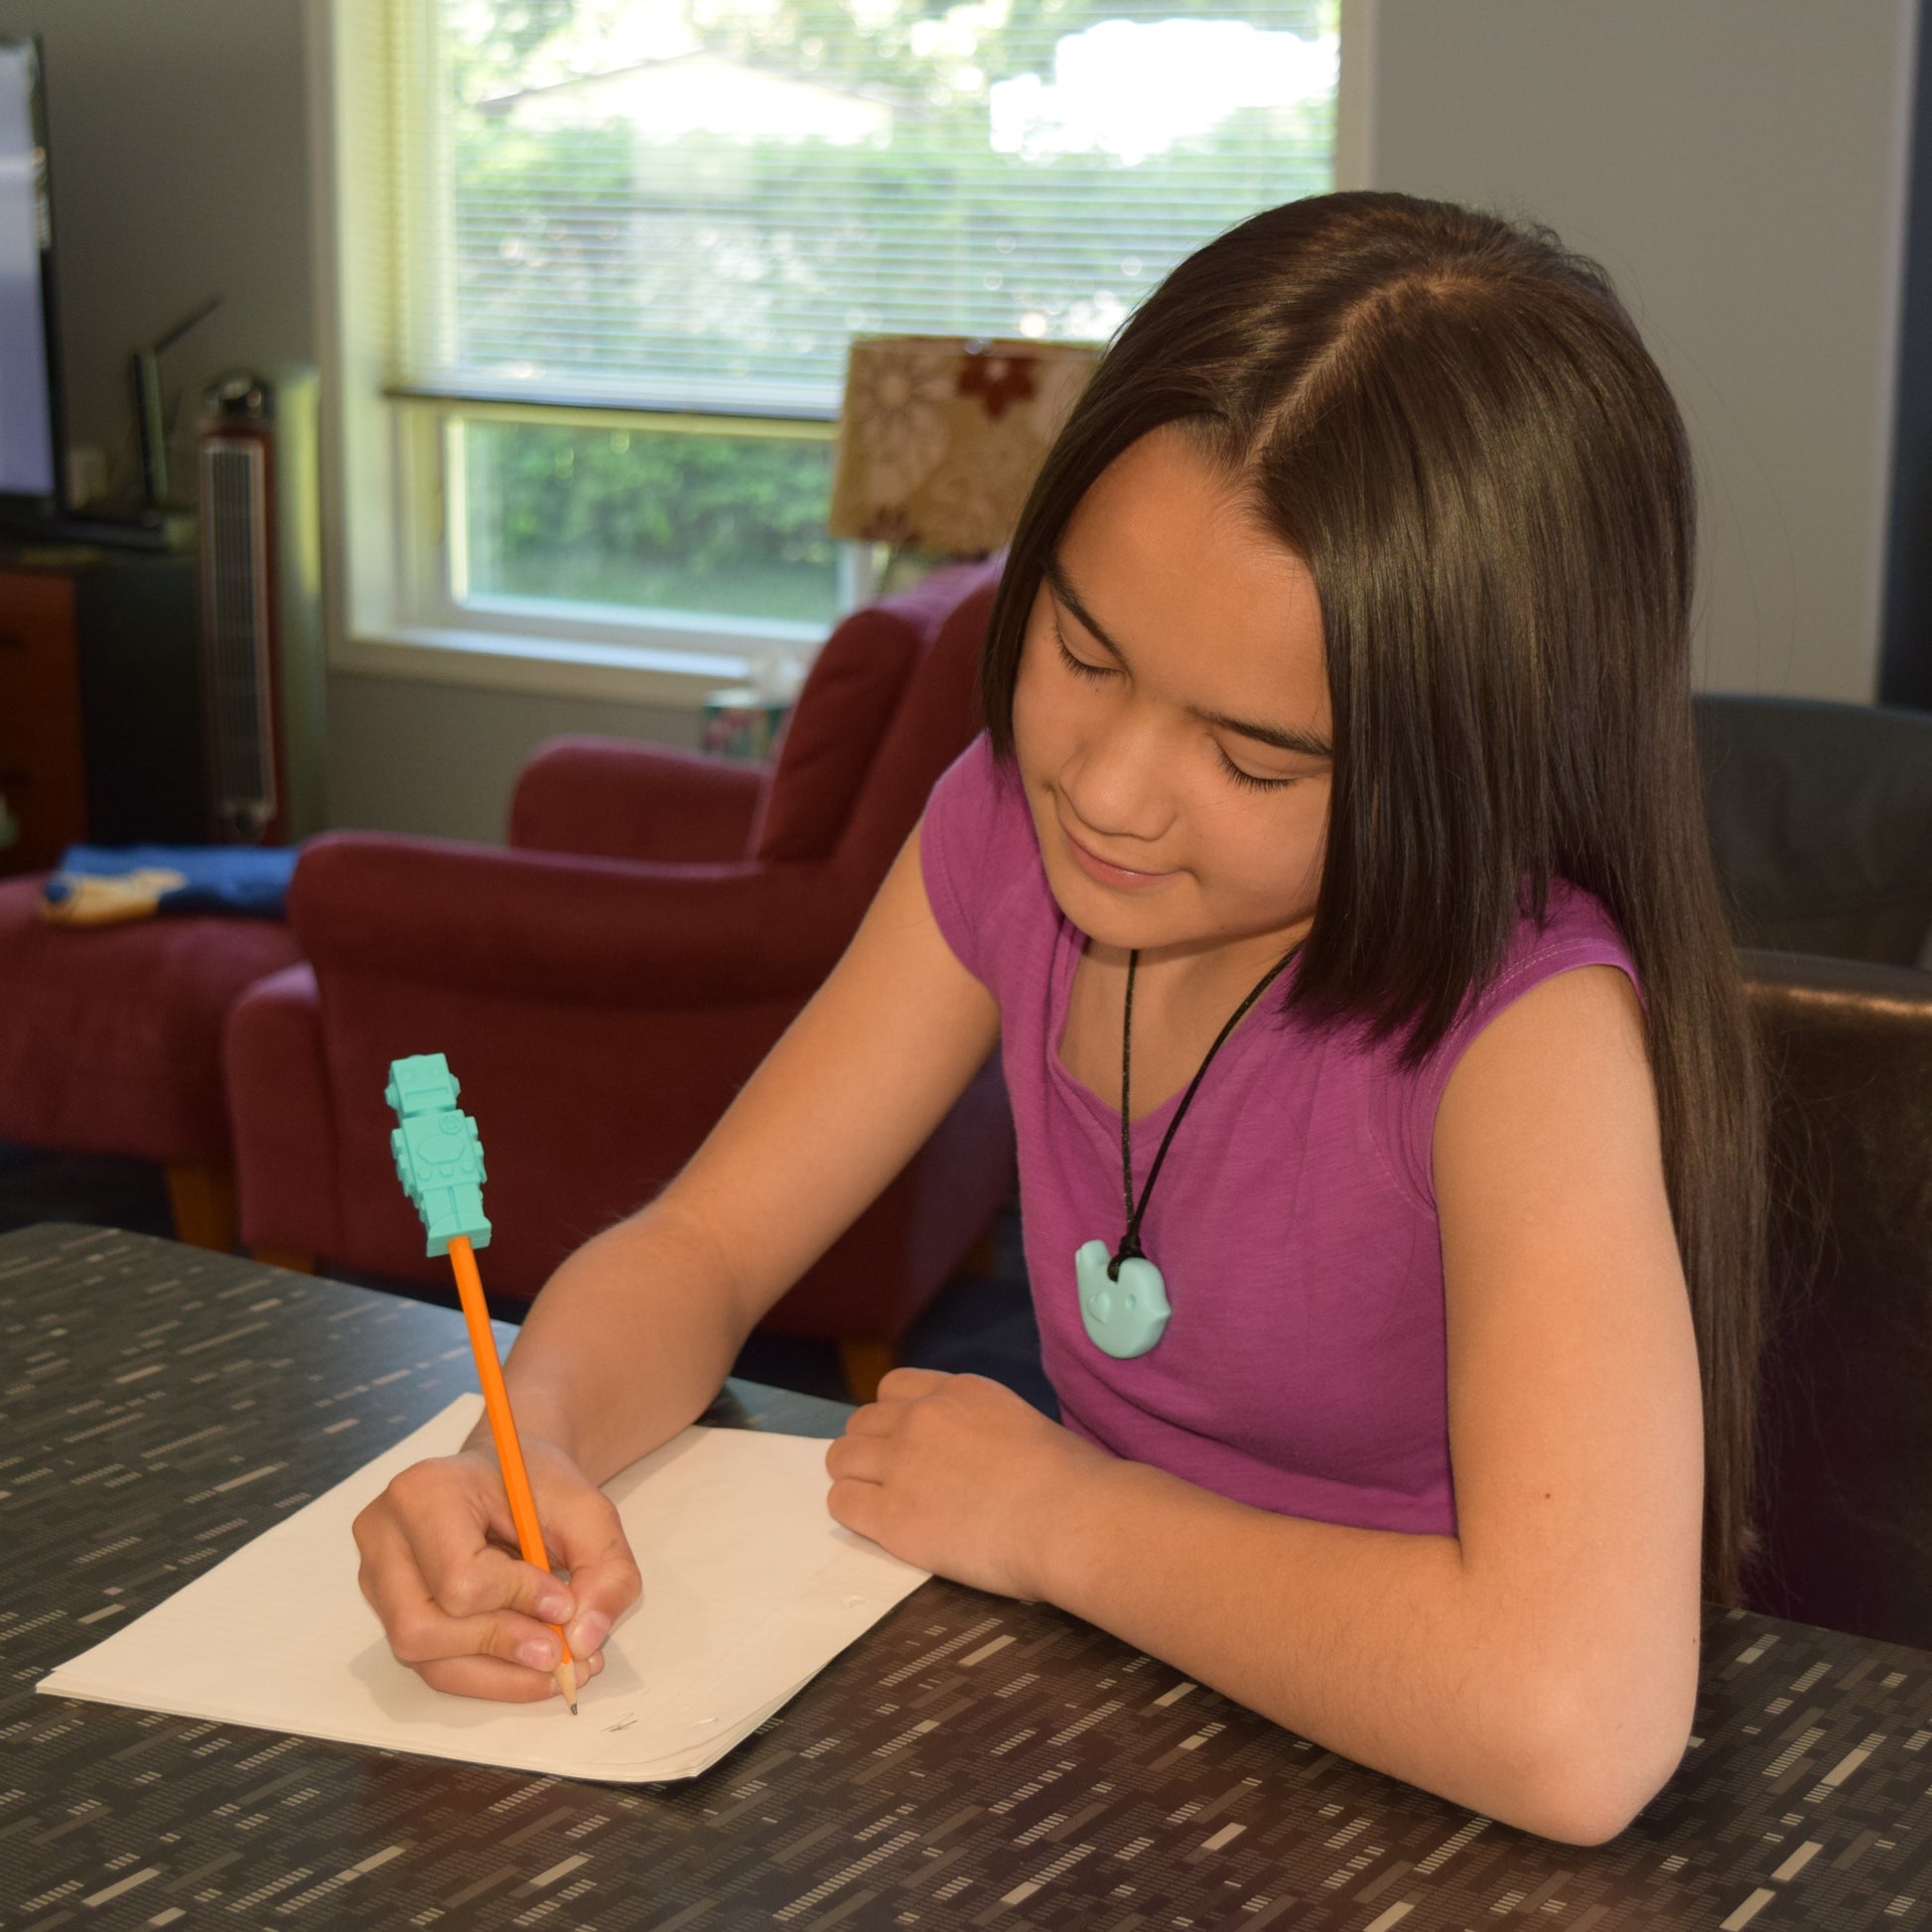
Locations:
{"points": [[1540, 1666], [634, 1335]]}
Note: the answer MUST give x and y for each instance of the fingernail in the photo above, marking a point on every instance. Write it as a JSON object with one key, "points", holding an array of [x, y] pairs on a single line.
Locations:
{"points": [[553, 1605], [596, 1662], [588, 1632], [540, 1653]]}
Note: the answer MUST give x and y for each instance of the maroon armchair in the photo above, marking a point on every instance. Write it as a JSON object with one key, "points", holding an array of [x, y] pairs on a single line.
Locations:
{"points": [[607, 982]]}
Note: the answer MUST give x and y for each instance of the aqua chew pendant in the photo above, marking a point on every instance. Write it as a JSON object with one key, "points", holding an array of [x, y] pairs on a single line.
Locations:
{"points": [[1123, 1317], [1122, 1297]]}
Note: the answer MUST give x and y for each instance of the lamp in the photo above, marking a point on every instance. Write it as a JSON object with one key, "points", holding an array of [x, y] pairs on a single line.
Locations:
{"points": [[940, 437]]}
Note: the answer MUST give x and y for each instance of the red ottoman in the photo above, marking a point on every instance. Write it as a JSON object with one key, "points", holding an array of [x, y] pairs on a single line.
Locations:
{"points": [[111, 1041]]}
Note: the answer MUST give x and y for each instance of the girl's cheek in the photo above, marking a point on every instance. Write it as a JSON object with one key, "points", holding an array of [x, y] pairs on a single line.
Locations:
{"points": [[1033, 712]]}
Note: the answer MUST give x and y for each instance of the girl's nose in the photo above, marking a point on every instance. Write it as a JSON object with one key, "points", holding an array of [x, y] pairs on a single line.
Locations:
{"points": [[1113, 784]]}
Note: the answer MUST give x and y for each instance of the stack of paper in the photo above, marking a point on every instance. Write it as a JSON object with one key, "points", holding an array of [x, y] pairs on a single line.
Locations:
{"points": [[751, 1589]]}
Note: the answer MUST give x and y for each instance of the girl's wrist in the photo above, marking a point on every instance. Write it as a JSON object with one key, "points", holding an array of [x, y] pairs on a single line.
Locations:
{"points": [[1083, 1529], [536, 1423]]}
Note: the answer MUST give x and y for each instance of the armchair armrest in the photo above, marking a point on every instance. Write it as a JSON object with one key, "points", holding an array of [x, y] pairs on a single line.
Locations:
{"points": [[567, 930], [613, 798]]}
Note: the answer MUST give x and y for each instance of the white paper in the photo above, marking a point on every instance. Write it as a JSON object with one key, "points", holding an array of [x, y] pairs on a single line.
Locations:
{"points": [[751, 1589]]}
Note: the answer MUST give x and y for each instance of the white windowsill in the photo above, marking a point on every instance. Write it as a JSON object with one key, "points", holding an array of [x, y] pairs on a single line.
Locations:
{"points": [[671, 675]]}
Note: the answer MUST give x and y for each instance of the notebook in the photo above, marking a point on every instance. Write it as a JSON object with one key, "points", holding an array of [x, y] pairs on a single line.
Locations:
{"points": [[751, 1589]]}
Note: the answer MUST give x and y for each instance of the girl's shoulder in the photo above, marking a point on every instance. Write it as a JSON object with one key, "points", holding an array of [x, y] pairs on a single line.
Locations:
{"points": [[1577, 929], [980, 859]]}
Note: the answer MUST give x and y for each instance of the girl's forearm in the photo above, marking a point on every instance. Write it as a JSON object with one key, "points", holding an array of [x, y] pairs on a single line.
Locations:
{"points": [[628, 1343], [1382, 1646]]}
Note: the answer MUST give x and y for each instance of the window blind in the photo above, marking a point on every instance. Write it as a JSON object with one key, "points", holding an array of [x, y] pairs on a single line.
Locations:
{"points": [[692, 205]]}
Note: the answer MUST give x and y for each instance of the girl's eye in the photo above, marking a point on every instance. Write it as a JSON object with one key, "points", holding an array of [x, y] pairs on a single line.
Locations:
{"points": [[1096, 673], [1079, 665], [1247, 779]]}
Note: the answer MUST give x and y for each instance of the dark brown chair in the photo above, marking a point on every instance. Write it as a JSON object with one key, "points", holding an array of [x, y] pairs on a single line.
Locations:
{"points": [[1821, 823], [1845, 1509]]}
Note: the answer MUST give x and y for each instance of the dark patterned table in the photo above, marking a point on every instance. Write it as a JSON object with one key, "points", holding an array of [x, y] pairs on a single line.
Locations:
{"points": [[970, 1763]]}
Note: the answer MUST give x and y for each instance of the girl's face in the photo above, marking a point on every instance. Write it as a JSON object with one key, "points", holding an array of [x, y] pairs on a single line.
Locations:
{"points": [[1171, 716]]}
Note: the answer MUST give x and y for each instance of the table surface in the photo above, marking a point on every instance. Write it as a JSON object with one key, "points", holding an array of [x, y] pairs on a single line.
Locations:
{"points": [[972, 1762]]}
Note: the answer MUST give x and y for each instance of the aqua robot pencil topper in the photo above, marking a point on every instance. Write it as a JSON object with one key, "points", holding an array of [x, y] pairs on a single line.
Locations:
{"points": [[438, 1152]]}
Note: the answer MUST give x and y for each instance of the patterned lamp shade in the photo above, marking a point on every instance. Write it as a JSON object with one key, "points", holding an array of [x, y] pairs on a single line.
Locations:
{"points": [[940, 437]]}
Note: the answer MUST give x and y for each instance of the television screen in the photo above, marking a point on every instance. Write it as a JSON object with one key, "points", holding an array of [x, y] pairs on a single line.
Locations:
{"points": [[28, 466]]}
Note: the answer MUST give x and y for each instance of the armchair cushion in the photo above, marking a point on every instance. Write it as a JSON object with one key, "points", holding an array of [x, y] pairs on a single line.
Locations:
{"points": [[110, 1039], [603, 1004], [851, 694], [613, 798], [566, 931]]}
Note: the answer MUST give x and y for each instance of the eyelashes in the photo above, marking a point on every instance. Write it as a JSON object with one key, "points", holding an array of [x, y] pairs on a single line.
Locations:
{"points": [[1247, 779], [1100, 673], [1093, 673]]}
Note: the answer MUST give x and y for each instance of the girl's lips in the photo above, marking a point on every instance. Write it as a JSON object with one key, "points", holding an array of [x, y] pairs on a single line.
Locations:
{"points": [[1118, 877]]}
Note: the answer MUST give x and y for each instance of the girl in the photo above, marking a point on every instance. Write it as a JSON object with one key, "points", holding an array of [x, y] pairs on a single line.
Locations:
{"points": [[1334, 876]]}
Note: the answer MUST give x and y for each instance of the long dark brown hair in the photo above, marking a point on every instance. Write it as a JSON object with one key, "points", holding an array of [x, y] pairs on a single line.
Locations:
{"points": [[1451, 420]]}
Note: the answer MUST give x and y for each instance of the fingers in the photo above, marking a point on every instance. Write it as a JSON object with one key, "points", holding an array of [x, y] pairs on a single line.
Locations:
{"points": [[421, 1629], [858, 1459], [450, 1514], [485, 1677], [584, 1527], [857, 1505], [909, 1384], [466, 1613]]}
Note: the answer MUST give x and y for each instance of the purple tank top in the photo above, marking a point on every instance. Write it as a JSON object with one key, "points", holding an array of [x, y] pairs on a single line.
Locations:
{"points": [[1304, 1367]]}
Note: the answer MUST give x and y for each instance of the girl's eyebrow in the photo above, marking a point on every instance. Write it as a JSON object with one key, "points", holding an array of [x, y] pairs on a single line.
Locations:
{"points": [[1283, 739]]}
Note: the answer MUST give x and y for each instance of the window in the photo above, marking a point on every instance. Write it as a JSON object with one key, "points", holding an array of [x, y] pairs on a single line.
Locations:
{"points": [[603, 258]]}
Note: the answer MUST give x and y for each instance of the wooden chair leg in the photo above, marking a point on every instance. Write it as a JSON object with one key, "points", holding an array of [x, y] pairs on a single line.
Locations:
{"points": [[201, 1197], [297, 1261], [864, 1364]]}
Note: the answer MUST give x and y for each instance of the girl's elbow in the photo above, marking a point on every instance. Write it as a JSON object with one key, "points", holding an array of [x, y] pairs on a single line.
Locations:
{"points": [[1596, 1760], [1584, 1808]]}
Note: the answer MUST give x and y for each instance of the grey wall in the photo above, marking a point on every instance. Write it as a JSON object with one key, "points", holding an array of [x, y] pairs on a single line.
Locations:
{"points": [[180, 170], [441, 758], [1739, 166], [1736, 162], [180, 149]]}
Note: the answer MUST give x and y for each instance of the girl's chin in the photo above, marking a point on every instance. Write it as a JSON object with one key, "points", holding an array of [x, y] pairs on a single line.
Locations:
{"points": [[1127, 919]]}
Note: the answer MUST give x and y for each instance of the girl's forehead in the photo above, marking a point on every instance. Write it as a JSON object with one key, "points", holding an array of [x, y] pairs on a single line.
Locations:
{"points": [[1166, 553]]}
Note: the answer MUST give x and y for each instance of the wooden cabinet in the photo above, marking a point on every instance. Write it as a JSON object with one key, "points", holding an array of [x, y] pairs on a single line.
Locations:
{"points": [[100, 733], [43, 771]]}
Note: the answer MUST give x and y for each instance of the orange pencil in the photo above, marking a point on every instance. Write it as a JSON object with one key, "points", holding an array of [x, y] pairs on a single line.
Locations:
{"points": [[503, 1429], [439, 1160]]}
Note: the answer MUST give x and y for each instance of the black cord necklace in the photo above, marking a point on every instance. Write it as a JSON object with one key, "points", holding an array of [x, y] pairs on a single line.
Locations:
{"points": [[1122, 1297]]}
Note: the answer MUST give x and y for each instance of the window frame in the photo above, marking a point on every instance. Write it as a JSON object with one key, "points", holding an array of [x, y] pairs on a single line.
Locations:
{"points": [[429, 427], [386, 477]]}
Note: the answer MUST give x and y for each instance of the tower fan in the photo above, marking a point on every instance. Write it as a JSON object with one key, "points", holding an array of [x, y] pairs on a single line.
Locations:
{"points": [[261, 606]]}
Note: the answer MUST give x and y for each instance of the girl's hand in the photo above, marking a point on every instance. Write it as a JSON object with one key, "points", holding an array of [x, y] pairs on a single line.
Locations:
{"points": [[460, 1607], [961, 1477]]}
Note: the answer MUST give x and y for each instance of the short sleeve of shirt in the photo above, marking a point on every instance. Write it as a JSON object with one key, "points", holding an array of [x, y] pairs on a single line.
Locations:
{"points": [[1577, 932], [977, 853]]}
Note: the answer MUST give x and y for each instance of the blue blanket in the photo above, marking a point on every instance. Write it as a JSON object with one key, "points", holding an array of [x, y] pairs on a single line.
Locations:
{"points": [[248, 881]]}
